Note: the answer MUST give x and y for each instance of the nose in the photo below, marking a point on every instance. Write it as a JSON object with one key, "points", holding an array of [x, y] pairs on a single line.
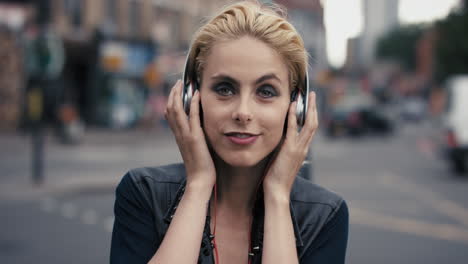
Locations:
{"points": [[242, 112]]}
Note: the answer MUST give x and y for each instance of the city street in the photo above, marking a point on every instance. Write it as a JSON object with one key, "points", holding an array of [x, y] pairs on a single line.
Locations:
{"points": [[405, 204]]}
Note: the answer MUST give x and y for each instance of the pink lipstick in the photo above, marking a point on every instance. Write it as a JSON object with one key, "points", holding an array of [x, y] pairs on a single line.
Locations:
{"points": [[242, 138]]}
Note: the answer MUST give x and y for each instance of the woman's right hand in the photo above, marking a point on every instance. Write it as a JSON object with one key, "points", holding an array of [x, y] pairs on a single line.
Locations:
{"points": [[190, 138]]}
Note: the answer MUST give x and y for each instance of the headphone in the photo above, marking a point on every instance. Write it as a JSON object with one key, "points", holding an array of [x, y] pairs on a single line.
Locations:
{"points": [[191, 84]]}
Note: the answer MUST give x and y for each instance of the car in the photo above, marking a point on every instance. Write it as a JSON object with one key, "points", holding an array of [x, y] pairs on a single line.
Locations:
{"points": [[455, 123], [357, 114], [344, 118], [413, 109], [376, 120]]}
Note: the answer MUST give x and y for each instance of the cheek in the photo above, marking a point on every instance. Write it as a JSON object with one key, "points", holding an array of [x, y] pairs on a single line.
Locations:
{"points": [[209, 125], [212, 115], [275, 121]]}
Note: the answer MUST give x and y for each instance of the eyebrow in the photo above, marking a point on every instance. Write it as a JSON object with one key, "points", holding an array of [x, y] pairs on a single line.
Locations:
{"points": [[235, 82]]}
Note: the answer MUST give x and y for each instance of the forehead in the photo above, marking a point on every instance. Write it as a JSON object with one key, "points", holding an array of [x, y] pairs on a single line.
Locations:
{"points": [[245, 59]]}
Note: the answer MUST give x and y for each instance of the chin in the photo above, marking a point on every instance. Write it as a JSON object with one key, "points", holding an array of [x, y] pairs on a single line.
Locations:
{"points": [[242, 159], [241, 162]]}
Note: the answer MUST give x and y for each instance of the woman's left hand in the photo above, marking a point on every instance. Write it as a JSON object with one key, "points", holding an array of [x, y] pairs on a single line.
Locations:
{"points": [[292, 153]]}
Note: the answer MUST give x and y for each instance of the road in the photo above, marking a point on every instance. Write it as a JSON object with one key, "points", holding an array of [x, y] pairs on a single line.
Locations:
{"points": [[405, 205]]}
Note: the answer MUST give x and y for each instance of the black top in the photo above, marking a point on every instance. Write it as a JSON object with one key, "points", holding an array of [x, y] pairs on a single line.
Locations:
{"points": [[146, 199]]}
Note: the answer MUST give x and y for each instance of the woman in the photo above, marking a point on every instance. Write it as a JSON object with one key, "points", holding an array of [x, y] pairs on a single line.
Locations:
{"points": [[236, 197]]}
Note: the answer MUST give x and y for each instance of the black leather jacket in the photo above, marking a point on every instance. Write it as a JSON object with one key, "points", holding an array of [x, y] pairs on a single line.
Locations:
{"points": [[147, 198]]}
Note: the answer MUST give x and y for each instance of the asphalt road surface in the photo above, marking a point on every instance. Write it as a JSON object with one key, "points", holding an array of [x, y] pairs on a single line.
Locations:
{"points": [[405, 204]]}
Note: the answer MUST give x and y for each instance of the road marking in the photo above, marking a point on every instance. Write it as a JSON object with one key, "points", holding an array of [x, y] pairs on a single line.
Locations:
{"points": [[431, 198], [410, 208], [330, 153], [109, 224], [409, 226], [427, 148], [69, 210], [48, 205], [89, 217]]}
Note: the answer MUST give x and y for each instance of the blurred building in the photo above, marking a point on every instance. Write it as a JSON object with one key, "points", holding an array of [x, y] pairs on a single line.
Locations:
{"points": [[112, 45], [380, 16], [307, 17], [166, 21], [13, 15], [353, 61], [117, 50], [10, 80], [425, 54]]}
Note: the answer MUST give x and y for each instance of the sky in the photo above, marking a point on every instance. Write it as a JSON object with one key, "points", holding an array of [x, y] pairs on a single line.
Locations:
{"points": [[343, 19]]}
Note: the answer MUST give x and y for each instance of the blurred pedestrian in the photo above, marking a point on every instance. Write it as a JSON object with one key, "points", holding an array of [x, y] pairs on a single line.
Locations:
{"points": [[236, 197]]}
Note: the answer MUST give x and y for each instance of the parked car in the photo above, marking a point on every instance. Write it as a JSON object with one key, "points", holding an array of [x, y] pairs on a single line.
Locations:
{"points": [[455, 123], [376, 120], [356, 115], [413, 109], [344, 118]]}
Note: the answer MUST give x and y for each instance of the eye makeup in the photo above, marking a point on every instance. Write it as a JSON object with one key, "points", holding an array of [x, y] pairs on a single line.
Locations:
{"points": [[224, 85], [267, 91], [223, 88]]}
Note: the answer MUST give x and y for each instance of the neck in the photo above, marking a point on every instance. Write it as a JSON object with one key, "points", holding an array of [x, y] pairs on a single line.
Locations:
{"points": [[237, 187]]}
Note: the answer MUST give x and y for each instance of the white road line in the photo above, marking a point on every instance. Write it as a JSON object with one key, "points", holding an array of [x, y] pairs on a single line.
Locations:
{"points": [[69, 210], [437, 202], [89, 217], [409, 226], [109, 223], [427, 148], [48, 205], [330, 153]]}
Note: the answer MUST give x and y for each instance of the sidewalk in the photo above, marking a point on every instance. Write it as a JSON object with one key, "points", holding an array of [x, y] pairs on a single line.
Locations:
{"points": [[97, 164]]}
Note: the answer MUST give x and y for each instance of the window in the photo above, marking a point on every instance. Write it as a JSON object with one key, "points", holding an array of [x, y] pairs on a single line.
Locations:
{"points": [[134, 17], [73, 9], [111, 10]]}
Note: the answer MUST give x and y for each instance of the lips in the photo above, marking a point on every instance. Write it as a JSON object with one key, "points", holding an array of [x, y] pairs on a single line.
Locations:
{"points": [[240, 134], [242, 138]]}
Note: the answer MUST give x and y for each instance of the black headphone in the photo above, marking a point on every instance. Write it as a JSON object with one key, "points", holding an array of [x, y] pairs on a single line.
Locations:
{"points": [[191, 84]]}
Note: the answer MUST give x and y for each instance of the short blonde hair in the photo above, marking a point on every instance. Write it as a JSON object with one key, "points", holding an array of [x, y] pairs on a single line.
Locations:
{"points": [[266, 23]]}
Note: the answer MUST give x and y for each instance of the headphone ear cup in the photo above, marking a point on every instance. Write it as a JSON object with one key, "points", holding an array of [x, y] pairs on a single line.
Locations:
{"points": [[187, 97], [293, 95], [300, 111], [301, 106]]}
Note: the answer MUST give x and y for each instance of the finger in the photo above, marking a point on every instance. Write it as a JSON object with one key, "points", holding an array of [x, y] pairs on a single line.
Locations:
{"points": [[170, 98], [292, 121], [178, 95], [195, 111], [311, 121], [170, 116], [170, 104], [179, 112]]}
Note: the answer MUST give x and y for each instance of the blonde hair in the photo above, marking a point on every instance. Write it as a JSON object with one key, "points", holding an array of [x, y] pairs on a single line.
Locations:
{"points": [[262, 22]]}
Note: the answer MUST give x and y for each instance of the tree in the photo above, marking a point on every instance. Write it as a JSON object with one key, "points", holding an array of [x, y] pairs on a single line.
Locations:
{"points": [[399, 45], [452, 45]]}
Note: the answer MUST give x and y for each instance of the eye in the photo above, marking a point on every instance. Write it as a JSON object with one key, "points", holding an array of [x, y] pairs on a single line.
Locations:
{"points": [[224, 89], [267, 91]]}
